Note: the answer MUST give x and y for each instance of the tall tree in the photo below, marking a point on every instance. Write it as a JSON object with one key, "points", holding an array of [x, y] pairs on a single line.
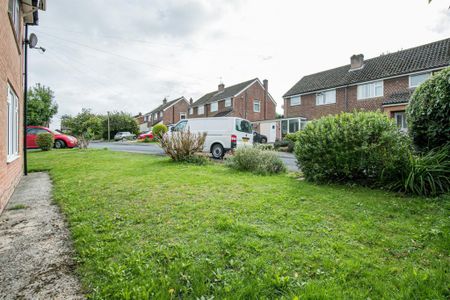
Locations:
{"points": [[84, 126], [119, 121], [41, 106]]}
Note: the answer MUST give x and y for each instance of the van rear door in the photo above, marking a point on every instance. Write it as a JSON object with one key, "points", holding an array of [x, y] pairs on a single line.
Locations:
{"points": [[244, 132]]}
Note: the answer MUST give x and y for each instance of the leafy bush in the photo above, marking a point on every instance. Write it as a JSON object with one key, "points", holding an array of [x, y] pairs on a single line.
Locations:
{"points": [[182, 145], [85, 125], [360, 147], [263, 146], [147, 140], [196, 160], [159, 130], [284, 145], [45, 141], [426, 175], [118, 121], [428, 112], [257, 161]]}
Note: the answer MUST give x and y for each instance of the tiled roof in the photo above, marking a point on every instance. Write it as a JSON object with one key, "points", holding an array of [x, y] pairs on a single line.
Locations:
{"points": [[398, 98], [223, 113], [227, 92], [164, 106], [429, 56]]}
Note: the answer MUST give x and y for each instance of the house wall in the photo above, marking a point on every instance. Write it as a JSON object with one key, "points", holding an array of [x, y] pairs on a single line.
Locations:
{"points": [[11, 69], [311, 111], [172, 114]]}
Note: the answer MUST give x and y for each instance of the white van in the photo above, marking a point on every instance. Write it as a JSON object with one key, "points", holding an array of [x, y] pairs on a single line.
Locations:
{"points": [[222, 133]]}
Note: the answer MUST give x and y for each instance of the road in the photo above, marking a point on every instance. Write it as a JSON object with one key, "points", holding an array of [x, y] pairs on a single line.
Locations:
{"points": [[287, 158]]}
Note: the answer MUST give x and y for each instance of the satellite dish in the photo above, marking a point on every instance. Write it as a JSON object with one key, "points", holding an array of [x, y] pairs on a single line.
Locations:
{"points": [[32, 40]]}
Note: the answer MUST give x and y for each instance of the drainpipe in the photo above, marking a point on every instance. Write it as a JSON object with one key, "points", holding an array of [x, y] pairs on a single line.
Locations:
{"points": [[346, 98], [245, 102], [25, 88]]}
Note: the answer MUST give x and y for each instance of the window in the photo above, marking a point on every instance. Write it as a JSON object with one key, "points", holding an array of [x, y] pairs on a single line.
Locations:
{"points": [[294, 125], [400, 119], [160, 114], [418, 79], [180, 126], [326, 97], [14, 14], [284, 127], [228, 102], [191, 111], [182, 116], [370, 90], [214, 106], [256, 105], [12, 126], [243, 126], [201, 110], [295, 100]]}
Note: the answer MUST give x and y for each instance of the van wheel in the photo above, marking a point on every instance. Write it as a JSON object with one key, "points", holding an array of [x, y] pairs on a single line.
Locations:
{"points": [[60, 144], [263, 141], [217, 151]]}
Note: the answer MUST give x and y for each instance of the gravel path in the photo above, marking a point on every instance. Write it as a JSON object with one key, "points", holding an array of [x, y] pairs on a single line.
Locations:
{"points": [[35, 248]]}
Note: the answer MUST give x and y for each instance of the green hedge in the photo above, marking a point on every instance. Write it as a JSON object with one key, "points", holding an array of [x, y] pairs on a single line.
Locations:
{"points": [[428, 113], [45, 141], [360, 147]]}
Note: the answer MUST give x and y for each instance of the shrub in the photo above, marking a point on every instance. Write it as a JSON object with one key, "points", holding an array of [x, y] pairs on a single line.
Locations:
{"points": [[45, 141], [147, 140], [360, 147], [428, 112], [284, 145], [427, 174], [182, 145], [264, 146], [257, 161], [196, 160], [159, 130]]}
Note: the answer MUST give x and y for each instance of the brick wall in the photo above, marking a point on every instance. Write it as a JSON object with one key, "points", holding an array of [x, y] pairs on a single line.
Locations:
{"points": [[172, 114], [311, 111], [11, 70], [242, 106]]}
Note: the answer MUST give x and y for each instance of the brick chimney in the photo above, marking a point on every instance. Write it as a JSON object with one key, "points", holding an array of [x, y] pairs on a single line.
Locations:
{"points": [[191, 101], [266, 96], [221, 87], [356, 61], [164, 101]]}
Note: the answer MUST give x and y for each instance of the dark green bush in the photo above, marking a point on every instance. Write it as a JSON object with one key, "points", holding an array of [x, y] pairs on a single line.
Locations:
{"points": [[159, 130], [256, 161], [45, 141], [427, 174], [286, 145], [147, 140], [195, 159], [360, 147], [428, 113]]}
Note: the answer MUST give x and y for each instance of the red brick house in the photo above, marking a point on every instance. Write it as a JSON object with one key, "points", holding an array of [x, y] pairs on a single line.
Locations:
{"points": [[250, 100], [14, 14], [382, 83], [169, 112]]}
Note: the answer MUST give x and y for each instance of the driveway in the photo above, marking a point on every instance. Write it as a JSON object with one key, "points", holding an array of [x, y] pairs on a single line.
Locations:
{"points": [[152, 148]]}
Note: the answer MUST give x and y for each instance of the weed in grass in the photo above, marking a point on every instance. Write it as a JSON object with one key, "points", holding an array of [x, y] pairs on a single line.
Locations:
{"points": [[17, 207]]}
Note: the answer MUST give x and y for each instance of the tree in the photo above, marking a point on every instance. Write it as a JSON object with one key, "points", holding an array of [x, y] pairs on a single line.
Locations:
{"points": [[428, 112], [41, 106], [84, 126], [118, 121]]}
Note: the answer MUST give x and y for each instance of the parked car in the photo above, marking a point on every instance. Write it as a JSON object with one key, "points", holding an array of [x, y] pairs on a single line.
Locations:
{"points": [[259, 138], [223, 133], [124, 135], [144, 135], [61, 140]]}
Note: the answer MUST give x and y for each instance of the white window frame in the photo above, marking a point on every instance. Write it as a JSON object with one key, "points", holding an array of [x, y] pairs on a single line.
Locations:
{"points": [[12, 125], [299, 102], [228, 102], [214, 106], [372, 90], [183, 114], [418, 74], [256, 105], [14, 12], [404, 125], [326, 100], [191, 111], [201, 110]]}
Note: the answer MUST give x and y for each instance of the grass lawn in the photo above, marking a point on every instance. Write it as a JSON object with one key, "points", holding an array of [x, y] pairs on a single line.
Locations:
{"points": [[144, 227]]}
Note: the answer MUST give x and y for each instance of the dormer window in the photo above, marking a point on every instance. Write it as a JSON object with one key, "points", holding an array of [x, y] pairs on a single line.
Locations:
{"points": [[228, 102], [417, 79], [326, 97]]}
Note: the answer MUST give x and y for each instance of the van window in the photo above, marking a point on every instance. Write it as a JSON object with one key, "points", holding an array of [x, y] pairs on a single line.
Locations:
{"points": [[180, 126], [243, 126]]}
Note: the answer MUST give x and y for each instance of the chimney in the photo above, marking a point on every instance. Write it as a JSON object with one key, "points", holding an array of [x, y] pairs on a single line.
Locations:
{"points": [[191, 101], [221, 87], [356, 61], [266, 96], [164, 101]]}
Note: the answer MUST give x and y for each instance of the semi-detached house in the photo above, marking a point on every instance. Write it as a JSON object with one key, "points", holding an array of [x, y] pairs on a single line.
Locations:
{"points": [[382, 83], [168, 113], [14, 14]]}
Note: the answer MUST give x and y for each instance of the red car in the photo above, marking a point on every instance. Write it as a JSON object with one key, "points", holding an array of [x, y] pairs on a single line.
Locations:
{"points": [[61, 140], [144, 135]]}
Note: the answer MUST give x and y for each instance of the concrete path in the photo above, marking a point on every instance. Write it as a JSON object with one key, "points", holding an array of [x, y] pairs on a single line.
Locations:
{"points": [[35, 248], [152, 148]]}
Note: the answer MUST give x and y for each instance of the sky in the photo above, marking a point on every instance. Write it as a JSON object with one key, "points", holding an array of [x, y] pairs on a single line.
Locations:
{"points": [[116, 55]]}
